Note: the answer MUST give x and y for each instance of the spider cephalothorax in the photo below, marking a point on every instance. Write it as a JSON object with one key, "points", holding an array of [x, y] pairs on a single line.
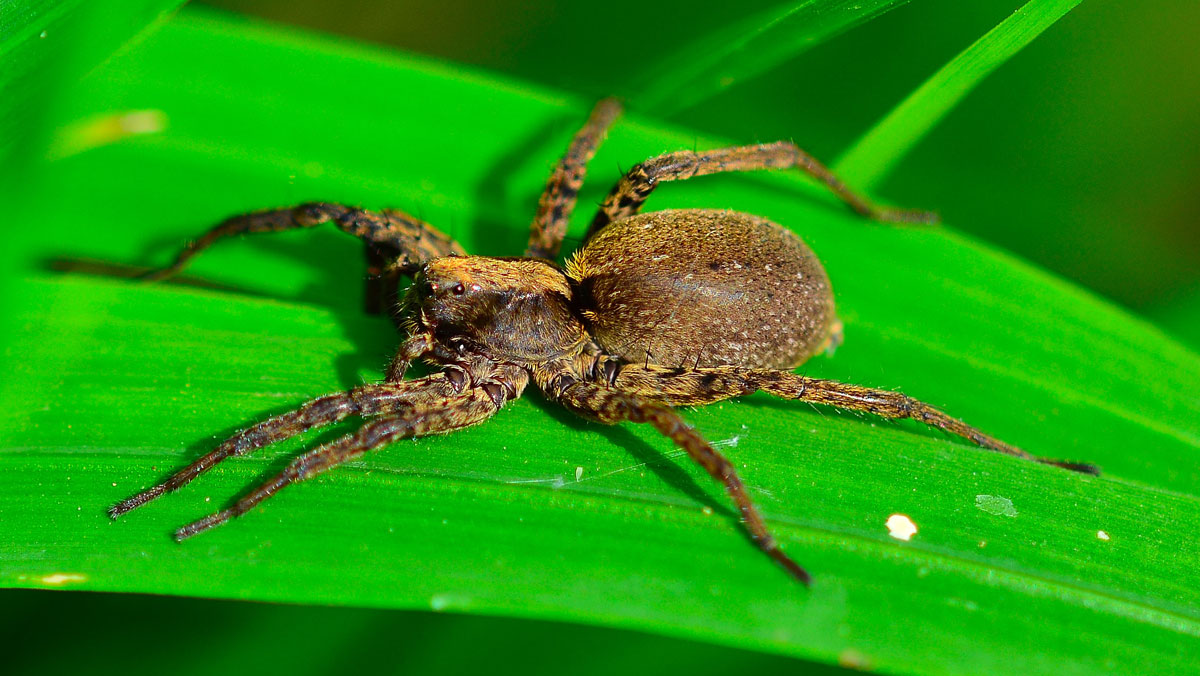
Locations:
{"points": [[505, 310], [657, 310]]}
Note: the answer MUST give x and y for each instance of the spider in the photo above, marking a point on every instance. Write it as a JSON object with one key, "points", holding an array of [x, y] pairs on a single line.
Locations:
{"points": [[657, 310]]}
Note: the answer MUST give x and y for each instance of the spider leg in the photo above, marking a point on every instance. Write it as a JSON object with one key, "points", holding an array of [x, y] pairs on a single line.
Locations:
{"points": [[435, 413], [611, 405], [631, 191], [706, 385], [558, 199], [396, 242], [368, 400], [382, 295]]}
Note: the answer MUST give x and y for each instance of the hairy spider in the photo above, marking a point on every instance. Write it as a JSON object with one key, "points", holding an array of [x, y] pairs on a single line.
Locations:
{"points": [[657, 310]]}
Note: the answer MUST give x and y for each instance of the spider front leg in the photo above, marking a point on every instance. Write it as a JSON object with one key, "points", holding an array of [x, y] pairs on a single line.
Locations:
{"points": [[365, 401], [612, 405], [695, 387], [396, 242], [558, 199], [631, 191], [430, 411]]}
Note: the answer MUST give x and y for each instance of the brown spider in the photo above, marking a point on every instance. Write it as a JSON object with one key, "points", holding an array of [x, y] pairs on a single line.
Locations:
{"points": [[657, 310]]}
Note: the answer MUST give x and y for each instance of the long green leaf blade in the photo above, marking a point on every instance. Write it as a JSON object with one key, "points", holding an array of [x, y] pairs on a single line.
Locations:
{"points": [[870, 159], [715, 61]]}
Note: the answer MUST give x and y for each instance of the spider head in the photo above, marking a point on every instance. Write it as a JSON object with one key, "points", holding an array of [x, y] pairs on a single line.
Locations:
{"points": [[505, 309]]}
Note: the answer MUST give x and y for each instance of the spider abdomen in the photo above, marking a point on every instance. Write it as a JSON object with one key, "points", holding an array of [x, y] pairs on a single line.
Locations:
{"points": [[703, 288]]}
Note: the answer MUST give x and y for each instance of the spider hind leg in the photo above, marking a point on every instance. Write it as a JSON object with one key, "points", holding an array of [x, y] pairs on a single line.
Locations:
{"points": [[612, 405], [632, 190], [710, 384]]}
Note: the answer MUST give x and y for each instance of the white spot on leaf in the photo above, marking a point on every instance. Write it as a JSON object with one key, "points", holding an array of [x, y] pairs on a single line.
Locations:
{"points": [[901, 527], [58, 579]]}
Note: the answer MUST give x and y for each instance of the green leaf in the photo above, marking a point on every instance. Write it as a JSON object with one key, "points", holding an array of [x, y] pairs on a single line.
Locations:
{"points": [[874, 155], [47, 44], [110, 384], [1181, 318], [717, 60]]}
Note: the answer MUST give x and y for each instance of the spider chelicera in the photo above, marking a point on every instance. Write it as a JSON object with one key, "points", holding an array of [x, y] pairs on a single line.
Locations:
{"points": [[656, 310]]}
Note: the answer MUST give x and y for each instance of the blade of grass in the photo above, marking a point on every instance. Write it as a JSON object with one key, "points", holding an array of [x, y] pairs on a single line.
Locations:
{"points": [[715, 61], [874, 155]]}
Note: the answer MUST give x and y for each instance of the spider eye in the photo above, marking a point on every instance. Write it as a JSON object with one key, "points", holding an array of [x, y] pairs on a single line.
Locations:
{"points": [[458, 290]]}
